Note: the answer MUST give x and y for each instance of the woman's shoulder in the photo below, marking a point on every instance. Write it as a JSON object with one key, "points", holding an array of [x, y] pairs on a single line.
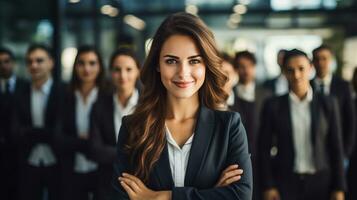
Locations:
{"points": [[227, 115]]}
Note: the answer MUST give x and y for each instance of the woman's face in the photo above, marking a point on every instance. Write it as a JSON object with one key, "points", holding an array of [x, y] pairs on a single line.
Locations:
{"points": [[181, 68], [124, 73], [87, 67]]}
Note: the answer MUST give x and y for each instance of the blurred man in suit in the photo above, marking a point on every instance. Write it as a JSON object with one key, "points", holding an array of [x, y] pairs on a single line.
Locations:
{"points": [[303, 125], [9, 85], [248, 96], [36, 120], [328, 84], [248, 100]]}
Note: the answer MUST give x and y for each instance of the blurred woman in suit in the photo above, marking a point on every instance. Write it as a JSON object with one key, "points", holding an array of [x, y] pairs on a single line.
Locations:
{"points": [[178, 144], [86, 87], [107, 115]]}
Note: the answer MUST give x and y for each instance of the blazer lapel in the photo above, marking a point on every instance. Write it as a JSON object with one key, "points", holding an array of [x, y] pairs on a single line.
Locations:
{"points": [[111, 119], [314, 109], [201, 140], [162, 170], [286, 119], [27, 104]]}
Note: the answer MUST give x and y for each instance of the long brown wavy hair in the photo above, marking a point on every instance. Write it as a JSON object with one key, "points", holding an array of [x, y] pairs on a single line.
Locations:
{"points": [[146, 139]]}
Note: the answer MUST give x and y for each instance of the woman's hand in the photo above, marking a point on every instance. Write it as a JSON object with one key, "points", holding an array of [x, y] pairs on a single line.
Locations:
{"points": [[137, 190], [271, 194], [230, 175], [338, 195]]}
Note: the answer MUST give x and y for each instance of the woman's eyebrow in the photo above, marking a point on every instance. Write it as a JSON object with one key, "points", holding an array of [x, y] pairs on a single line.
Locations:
{"points": [[171, 56], [195, 56]]}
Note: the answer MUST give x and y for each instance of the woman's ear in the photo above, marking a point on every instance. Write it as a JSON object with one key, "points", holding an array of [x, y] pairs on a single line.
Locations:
{"points": [[158, 69]]}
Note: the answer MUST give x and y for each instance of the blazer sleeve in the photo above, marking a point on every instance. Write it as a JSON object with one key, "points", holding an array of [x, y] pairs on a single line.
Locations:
{"points": [[237, 154], [101, 152], [121, 162], [336, 147], [265, 142], [348, 122]]}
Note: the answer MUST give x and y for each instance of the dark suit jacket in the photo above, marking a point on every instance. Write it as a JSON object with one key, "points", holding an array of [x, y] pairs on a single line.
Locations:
{"points": [[27, 136], [250, 113], [6, 108], [219, 141], [352, 170], [8, 150], [67, 140], [276, 130], [270, 84], [342, 91], [103, 138]]}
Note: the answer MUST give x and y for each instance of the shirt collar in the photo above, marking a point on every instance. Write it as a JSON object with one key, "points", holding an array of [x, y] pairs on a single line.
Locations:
{"points": [[46, 87], [326, 80], [11, 81], [133, 100], [171, 140], [296, 99], [92, 96], [249, 87]]}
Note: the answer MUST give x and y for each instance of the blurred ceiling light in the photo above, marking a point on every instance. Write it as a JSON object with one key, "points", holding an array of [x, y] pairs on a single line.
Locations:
{"points": [[109, 10], [245, 2], [235, 18], [192, 9], [134, 22], [106, 9], [114, 12], [240, 9], [74, 1]]}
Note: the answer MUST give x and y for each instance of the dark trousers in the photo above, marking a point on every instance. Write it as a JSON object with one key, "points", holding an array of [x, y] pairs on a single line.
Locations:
{"points": [[81, 186], [9, 175], [305, 187], [38, 183]]}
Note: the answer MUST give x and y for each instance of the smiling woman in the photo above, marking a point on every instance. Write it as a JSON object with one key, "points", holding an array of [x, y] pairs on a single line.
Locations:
{"points": [[177, 144]]}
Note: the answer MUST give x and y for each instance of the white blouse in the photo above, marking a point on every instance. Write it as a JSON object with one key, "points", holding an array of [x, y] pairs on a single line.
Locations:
{"points": [[178, 158]]}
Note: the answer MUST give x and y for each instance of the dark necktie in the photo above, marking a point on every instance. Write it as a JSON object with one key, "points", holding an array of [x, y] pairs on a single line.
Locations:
{"points": [[7, 87], [322, 88]]}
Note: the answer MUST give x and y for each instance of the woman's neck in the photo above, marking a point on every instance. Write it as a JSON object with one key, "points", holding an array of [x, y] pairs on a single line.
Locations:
{"points": [[124, 96], [182, 109], [85, 89]]}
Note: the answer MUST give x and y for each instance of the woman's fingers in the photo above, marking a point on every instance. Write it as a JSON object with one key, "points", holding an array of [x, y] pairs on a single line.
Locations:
{"points": [[135, 179], [127, 188], [229, 168], [231, 180], [232, 173], [132, 184]]}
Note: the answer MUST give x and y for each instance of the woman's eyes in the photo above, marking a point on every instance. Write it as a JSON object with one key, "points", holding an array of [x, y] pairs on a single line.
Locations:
{"points": [[171, 61], [195, 61], [191, 62]]}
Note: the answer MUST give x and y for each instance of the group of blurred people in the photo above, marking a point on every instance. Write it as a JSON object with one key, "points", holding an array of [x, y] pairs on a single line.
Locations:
{"points": [[301, 131], [57, 141]]}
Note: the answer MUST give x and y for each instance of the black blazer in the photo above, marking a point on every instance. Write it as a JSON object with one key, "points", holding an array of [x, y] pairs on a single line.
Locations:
{"points": [[27, 136], [352, 169], [276, 130], [7, 105], [270, 84], [250, 113], [67, 141], [103, 138], [219, 141], [342, 91]]}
